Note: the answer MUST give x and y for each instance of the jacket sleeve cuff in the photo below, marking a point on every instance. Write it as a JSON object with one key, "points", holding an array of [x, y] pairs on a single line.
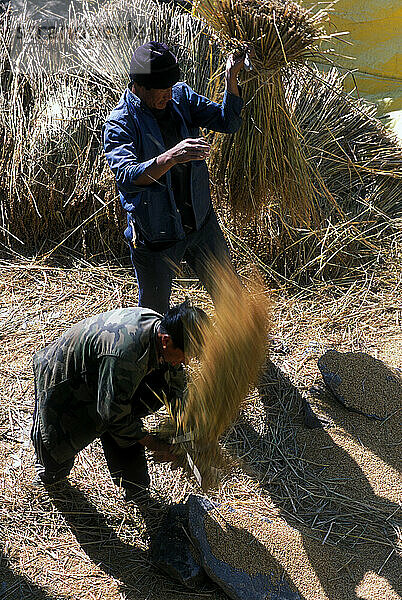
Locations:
{"points": [[234, 102], [136, 172]]}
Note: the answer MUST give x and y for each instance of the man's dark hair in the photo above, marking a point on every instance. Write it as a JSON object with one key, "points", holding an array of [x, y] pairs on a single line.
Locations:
{"points": [[186, 326]]}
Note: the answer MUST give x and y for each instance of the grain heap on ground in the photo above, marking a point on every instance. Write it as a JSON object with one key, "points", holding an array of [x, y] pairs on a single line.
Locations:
{"points": [[272, 548], [238, 548]]}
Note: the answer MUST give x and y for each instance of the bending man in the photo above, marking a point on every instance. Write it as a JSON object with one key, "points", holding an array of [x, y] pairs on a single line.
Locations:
{"points": [[99, 379]]}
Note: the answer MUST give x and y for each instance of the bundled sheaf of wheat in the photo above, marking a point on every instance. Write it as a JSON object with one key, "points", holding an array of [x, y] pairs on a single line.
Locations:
{"points": [[280, 31], [233, 352], [264, 162]]}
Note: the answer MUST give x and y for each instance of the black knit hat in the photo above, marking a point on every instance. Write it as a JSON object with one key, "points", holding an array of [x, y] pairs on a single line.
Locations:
{"points": [[154, 66]]}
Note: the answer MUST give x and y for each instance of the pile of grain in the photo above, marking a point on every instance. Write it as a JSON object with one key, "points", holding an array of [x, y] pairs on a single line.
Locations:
{"points": [[239, 548], [272, 548], [362, 382]]}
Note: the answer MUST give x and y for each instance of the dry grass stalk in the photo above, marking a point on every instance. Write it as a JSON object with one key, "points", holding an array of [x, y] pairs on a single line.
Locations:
{"points": [[233, 353], [264, 160]]}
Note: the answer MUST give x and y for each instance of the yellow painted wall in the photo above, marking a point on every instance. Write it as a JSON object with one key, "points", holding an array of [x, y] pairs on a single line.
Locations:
{"points": [[375, 28]]}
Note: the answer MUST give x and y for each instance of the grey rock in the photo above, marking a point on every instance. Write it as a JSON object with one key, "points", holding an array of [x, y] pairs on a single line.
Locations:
{"points": [[172, 550], [236, 583]]}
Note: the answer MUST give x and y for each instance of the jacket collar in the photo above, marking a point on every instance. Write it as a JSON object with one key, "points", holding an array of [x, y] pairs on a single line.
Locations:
{"points": [[134, 100]]}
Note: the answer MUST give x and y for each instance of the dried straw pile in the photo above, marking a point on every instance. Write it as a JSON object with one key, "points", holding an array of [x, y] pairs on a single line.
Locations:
{"points": [[358, 161], [233, 353], [264, 160], [55, 94], [56, 190], [53, 178], [316, 174]]}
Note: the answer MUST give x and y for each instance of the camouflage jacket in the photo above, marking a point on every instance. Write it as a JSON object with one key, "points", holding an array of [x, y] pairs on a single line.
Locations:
{"points": [[90, 379]]}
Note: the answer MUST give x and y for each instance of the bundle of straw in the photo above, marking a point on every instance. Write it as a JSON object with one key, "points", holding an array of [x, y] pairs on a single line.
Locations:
{"points": [[358, 161], [233, 351], [265, 157], [358, 158]]}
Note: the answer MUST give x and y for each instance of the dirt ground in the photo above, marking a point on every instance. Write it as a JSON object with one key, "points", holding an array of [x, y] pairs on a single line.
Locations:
{"points": [[320, 505]]}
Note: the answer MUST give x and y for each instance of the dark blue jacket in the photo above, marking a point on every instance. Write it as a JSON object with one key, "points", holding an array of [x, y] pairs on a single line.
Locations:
{"points": [[132, 139]]}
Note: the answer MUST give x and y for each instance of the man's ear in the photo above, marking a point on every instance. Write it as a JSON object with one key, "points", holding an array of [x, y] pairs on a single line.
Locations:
{"points": [[166, 340], [137, 88]]}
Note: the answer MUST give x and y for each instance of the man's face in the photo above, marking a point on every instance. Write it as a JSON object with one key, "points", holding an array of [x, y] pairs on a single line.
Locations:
{"points": [[153, 98], [170, 353]]}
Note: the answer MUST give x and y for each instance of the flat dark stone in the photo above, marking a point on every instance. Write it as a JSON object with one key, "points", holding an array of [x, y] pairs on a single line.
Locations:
{"points": [[236, 583], [172, 551]]}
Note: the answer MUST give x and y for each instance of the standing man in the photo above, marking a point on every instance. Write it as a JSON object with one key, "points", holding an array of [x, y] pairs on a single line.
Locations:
{"points": [[100, 378], [153, 145]]}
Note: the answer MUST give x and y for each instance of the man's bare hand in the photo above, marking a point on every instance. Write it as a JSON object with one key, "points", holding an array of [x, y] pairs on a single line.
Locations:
{"points": [[234, 64], [164, 456], [189, 149], [184, 151]]}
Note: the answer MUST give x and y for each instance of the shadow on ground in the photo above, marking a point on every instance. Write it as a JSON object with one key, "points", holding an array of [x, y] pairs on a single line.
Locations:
{"points": [[340, 512], [123, 561], [100, 542], [17, 587]]}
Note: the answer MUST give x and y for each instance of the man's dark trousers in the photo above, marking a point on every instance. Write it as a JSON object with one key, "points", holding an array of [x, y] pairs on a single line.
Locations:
{"points": [[155, 269], [128, 466]]}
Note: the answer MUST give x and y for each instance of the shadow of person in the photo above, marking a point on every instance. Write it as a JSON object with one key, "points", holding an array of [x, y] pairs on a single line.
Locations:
{"points": [[131, 565], [284, 408], [333, 503], [99, 540], [17, 587], [341, 572], [295, 403]]}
